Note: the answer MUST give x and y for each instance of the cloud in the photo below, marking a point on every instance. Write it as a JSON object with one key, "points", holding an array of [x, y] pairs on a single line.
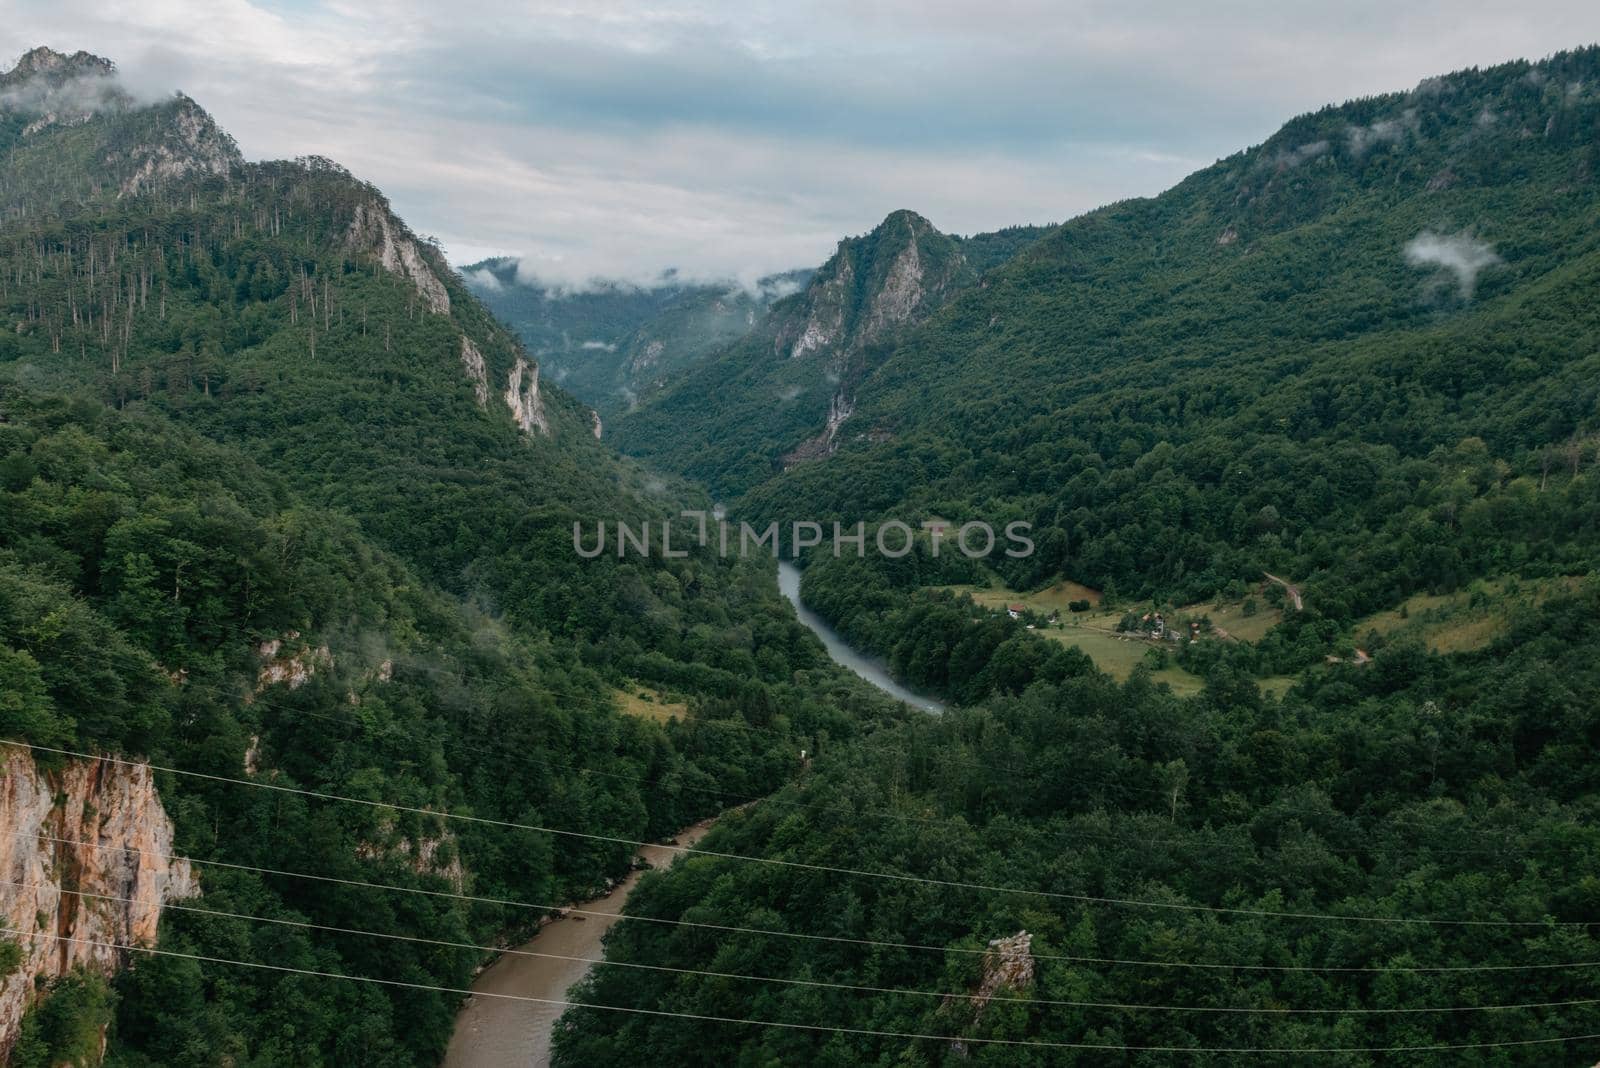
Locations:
{"points": [[81, 95], [1461, 254], [1383, 132], [483, 279], [1301, 154], [776, 288], [599, 346], [731, 140]]}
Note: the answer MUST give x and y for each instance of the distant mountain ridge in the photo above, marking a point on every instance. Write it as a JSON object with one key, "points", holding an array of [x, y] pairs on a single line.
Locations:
{"points": [[1378, 282], [614, 343], [783, 395], [280, 497]]}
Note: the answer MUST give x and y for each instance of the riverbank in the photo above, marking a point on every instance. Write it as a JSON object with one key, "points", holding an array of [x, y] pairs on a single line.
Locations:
{"points": [[873, 670], [492, 1032]]}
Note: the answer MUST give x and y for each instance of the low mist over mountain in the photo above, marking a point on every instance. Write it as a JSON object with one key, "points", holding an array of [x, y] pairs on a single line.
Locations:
{"points": [[784, 392], [614, 343], [1185, 642], [281, 502]]}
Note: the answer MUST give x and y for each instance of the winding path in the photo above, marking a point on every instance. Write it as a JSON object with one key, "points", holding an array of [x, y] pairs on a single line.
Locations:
{"points": [[1290, 589]]}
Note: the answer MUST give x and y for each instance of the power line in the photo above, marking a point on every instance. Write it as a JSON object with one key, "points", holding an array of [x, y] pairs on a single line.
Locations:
{"points": [[1125, 789], [820, 1028], [808, 937], [1071, 832], [815, 983], [826, 869]]}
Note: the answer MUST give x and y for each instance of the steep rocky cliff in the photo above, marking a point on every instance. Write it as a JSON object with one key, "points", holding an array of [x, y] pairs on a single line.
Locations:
{"points": [[95, 827], [897, 275], [375, 231], [787, 392], [142, 143]]}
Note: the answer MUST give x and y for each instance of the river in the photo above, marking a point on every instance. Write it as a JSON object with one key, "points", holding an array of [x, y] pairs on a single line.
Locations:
{"points": [[497, 1032], [868, 668], [492, 1032]]}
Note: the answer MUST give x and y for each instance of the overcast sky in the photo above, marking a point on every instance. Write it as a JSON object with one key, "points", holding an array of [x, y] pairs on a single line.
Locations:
{"points": [[732, 139]]}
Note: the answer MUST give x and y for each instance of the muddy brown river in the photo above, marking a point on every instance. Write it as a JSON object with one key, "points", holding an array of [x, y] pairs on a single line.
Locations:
{"points": [[499, 1033], [495, 1032]]}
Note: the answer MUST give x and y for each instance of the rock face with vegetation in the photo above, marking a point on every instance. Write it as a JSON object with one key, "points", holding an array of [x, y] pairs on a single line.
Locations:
{"points": [[49, 104], [280, 500], [86, 855], [785, 392]]}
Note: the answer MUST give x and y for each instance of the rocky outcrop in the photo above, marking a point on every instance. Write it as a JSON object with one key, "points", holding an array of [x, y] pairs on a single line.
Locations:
{"points": [[824, 324], [95, 827], [896, 301], [873, 287], [598, 427], [1007, 964], [840, 408], [522, 397], [289, 661], [648, 356], [376, 232], [435, 854], [191, 144], [477, 372]]}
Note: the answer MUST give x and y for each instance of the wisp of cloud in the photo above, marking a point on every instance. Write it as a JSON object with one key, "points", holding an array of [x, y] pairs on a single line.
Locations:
{"points": [[1461, 254]]}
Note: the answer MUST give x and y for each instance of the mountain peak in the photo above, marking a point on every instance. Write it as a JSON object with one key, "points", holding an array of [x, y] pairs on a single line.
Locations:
{"points": [[56, 89], [876, 283], [47, 61], [74, 111], [906, 218]]}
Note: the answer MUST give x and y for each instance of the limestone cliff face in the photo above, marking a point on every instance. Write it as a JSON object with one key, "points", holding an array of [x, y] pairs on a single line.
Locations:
{"points": [[872, 288], [289, 661], [894, 277], [522, 397], [823, 327], [126, 840], [477, 371], [376, 232], [190, 144]]}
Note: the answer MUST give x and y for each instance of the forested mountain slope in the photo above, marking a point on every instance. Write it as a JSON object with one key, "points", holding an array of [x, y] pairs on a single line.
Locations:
{"points": [[1361, 357], [782, 395], [284, 501]]}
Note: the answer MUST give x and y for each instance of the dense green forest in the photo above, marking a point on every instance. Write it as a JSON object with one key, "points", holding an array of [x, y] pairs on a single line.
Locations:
{"points": [[1248, 859], [1362, 355], [245, 415], [235, 410]]}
